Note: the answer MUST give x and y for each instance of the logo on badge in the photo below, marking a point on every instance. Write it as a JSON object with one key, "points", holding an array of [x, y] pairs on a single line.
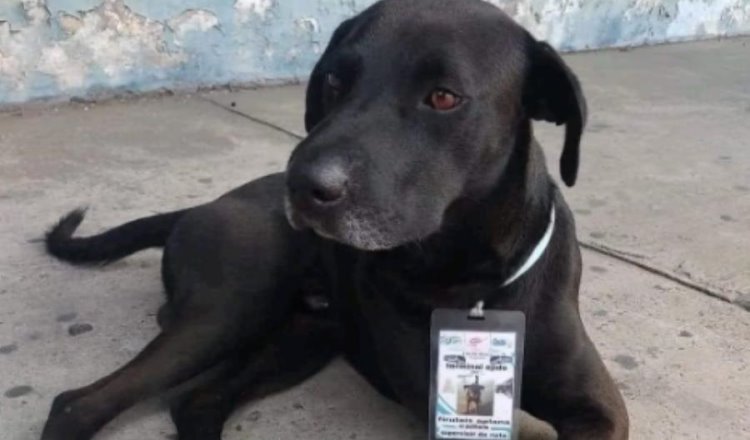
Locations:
{"points": [[475, 342], [503, 343], [450, 340], [499, 342]]}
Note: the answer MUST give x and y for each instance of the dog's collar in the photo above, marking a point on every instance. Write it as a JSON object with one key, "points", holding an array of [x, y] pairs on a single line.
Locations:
{"points": [[534, 256]]}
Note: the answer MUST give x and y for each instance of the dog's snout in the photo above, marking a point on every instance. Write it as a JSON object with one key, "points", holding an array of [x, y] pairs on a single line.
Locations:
{"points": [[321, 184]]}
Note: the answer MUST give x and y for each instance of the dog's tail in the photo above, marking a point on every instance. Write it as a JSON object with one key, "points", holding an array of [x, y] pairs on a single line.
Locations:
{"points": [[110, 245]]}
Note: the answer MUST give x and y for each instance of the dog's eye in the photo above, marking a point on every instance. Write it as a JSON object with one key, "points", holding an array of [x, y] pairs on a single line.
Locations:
{"points": [[334, 82], [443, 100]]}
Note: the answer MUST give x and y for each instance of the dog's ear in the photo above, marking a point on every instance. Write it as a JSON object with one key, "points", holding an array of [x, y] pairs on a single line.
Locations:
{"points": [[315, 105], [553, 93]]}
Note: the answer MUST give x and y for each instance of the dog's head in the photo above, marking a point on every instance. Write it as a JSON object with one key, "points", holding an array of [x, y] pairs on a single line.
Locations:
{"points": [[415, 105]]}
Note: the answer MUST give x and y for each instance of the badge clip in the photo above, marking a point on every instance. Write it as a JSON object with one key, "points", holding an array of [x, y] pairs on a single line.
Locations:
{"points": [[478, 311]]}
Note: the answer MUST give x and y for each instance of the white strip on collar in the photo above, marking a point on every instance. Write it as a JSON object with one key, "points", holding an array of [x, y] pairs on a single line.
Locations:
{"points": [[537, 253]]}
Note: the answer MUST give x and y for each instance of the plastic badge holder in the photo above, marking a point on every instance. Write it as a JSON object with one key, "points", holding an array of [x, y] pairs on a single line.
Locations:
{"points": [[476, 365]]}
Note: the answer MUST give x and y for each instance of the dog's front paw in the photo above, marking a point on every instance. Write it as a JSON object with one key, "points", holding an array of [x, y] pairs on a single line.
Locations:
{"points": [[199, 419], [66, 420], [531, 428], [66, 427]]}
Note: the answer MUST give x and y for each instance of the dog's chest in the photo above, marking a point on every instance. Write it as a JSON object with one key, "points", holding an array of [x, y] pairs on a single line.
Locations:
{"points": [[388, 313], [388, 333], [401, 343]]}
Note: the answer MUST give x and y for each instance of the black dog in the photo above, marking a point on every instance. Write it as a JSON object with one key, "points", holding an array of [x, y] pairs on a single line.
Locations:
{"points": [[419, 186]]}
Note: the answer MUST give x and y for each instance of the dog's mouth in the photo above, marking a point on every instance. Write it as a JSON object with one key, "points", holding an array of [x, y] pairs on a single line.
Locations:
{"points": [[360, 228], [295, 219], [300, 223]]}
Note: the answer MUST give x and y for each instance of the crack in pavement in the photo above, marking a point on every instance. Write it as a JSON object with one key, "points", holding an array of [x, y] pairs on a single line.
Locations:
{"points": [[625, 258]]}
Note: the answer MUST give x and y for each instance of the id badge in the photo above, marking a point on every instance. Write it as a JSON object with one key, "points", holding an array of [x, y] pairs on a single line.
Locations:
{"points": [[475, 378]]}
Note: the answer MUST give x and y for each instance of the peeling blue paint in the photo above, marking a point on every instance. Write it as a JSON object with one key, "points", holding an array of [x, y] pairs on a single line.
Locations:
{"points": [[62, 48]]}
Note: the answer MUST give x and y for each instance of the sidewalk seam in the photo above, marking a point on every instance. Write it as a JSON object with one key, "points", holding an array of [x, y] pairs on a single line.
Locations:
{"points": [[619, 255], [254, 119]]}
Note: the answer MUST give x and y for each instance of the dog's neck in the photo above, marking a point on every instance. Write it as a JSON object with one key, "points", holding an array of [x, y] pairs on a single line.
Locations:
{"points": [[518, 209]]}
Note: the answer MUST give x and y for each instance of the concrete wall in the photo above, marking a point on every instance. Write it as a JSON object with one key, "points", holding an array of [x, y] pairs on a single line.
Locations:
{"points": [[63, 48]]}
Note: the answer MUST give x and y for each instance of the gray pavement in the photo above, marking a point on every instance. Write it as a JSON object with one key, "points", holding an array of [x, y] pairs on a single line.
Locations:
{"points": [[664, 191]]}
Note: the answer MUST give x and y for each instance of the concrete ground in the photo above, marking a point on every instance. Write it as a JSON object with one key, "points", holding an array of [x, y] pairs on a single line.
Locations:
{"points": [[663, 207]]}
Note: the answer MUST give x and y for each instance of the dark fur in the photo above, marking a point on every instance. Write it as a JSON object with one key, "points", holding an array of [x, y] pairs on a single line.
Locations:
{"points": [[420, 209]]}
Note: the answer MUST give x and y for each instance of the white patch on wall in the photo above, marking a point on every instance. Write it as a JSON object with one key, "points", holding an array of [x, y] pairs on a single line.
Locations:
{"points": [[308, 24], [17, 47], [69, 74], [308, 34], [738, 14], [643, 6], [115, 39], [36, 11], [249, 8], [4, 32], [10, 65], [69, 23], [110, 38], [193, 20], [708, 14], [548, 20]]}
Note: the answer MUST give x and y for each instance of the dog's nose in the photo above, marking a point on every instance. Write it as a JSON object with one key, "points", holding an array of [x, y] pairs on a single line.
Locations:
{"points": [[319, 184]]}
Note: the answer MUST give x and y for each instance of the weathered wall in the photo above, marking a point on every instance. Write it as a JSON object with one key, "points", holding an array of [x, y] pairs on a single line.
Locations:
{"points": [[59, 48]]}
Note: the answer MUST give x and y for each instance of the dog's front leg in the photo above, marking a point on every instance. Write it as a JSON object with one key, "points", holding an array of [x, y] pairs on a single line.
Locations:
{"points": [[301, 348], [599, 413], [580, 399], [197, 340], [173, 357]]}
